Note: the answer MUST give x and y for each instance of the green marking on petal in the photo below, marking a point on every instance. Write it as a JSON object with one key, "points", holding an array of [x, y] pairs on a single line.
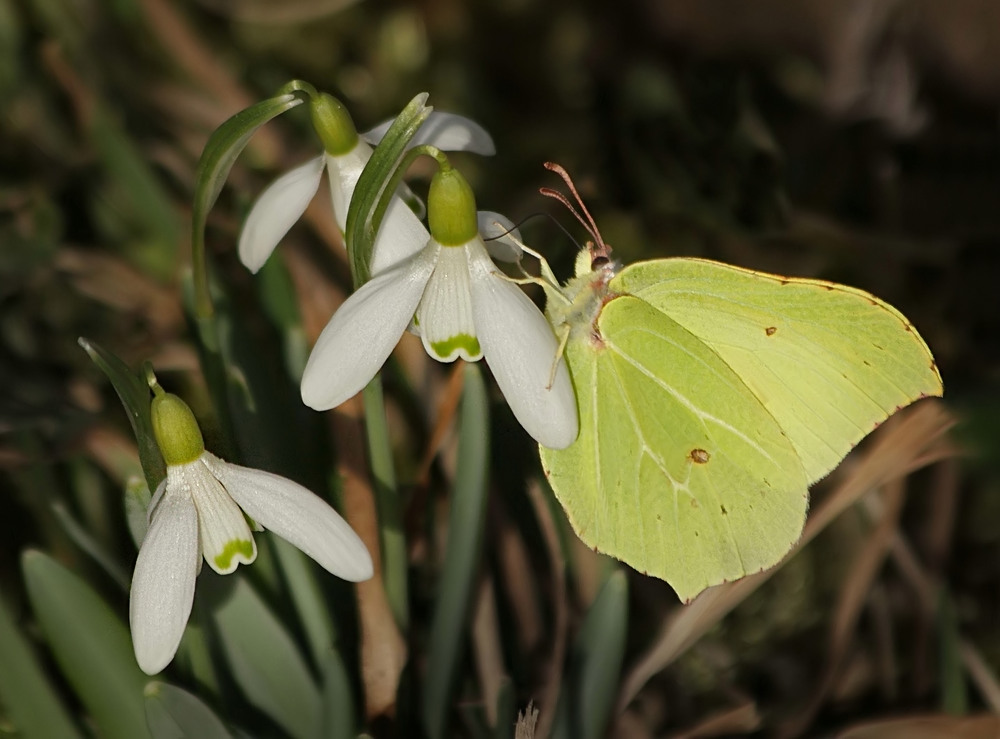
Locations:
{"points": [[224, 559], [459, 342]]}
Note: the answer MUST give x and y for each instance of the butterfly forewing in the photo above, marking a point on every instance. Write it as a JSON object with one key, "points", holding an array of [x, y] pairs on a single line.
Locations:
{"points": [[828, 362]]}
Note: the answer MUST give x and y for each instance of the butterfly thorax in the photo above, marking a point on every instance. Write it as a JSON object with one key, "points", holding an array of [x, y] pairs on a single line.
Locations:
{"points": [[583, 297]]}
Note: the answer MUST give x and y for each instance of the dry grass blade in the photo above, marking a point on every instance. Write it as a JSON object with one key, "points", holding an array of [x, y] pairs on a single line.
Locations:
{"points": [[526, 723], [487, 650], [383, 651], [183, 46], [909, 440], [514, 561], [928, 727], [853, 596], [113, 282], [446, 410], [740, 720], [269, 12], [926, 590], [983, 677], [554, 669]]}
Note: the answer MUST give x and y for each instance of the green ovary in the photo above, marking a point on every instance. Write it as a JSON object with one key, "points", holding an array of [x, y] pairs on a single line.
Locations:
{"points": [[224, 559], [460, 341]]}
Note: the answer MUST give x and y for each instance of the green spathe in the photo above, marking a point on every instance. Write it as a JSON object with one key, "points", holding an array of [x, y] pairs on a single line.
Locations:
{"points": [[451, 208], [333, 124], [176, 429]]}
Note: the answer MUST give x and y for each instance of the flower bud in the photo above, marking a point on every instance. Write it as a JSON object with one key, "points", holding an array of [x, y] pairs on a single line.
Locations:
{"points": [[451, 208], [176, 429], [333, 124]]}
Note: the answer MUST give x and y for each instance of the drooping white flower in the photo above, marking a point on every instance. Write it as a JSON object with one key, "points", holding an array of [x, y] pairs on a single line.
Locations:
{"points": [[463, 306], [345, 156], [198, 511]]}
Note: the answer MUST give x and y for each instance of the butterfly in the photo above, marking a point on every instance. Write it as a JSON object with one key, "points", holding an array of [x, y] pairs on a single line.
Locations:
{"points": [[710, 398]]}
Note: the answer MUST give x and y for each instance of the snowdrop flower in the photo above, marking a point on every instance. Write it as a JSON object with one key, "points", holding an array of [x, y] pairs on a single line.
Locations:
{"points": [[198, 511], [463, 306], [346, 154]]}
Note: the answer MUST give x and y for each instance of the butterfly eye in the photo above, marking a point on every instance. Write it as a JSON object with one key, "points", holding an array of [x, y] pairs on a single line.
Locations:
{"points": [[599, 261]]}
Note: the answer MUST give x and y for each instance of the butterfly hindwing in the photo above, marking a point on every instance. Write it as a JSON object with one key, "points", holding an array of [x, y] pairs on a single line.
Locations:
{"points": [[678, 470]]}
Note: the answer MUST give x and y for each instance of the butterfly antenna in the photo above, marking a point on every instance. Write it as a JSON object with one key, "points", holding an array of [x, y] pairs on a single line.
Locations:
{"points": [[527, 218], [599, 249]]}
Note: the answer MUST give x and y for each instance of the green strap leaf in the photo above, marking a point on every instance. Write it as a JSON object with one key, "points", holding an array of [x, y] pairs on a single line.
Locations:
{"points": [[387, 501], [91, 645], [31, 703], [91, 545], [307, 598], [134, 394], [596, 662], [173, 713], [379, 176], [264, 660], [466, 522], [338, 699], [223, 147]]}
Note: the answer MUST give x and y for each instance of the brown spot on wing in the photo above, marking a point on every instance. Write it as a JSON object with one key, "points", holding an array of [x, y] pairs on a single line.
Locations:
{"points": [[771, 330], [699, 456]]}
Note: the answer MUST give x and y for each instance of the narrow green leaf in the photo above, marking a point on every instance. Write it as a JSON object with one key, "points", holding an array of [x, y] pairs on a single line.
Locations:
{"points": [[134, 394], [954, 692], [466, 522], [173, 713], [133, 206], [391, 534], [91, 546], [194, 655], [506, 710], [338, 699], [137, 498], [12, 39], [32, 705], [265, 662], [363, 216], [595, 664], [91, 645], [277, 295], [306, 597], [223, 147]]}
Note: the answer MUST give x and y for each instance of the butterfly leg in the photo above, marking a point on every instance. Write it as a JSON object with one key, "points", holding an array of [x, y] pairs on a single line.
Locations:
{"points": [[563, 334]]}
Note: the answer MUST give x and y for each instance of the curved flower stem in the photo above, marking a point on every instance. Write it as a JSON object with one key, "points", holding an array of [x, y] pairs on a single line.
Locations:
{"points": [[393, 181], [387, 502]]}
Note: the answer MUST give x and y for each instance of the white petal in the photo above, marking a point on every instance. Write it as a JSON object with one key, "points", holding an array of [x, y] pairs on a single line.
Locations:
{"points": [[344, 171], [418, 206], [226, 540], [154, 502], [401, 234], [295, 514], [163, 581], [445, 318], [520, 349], [446, 131], [358, 339], [276, 210], [500, 236]]}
